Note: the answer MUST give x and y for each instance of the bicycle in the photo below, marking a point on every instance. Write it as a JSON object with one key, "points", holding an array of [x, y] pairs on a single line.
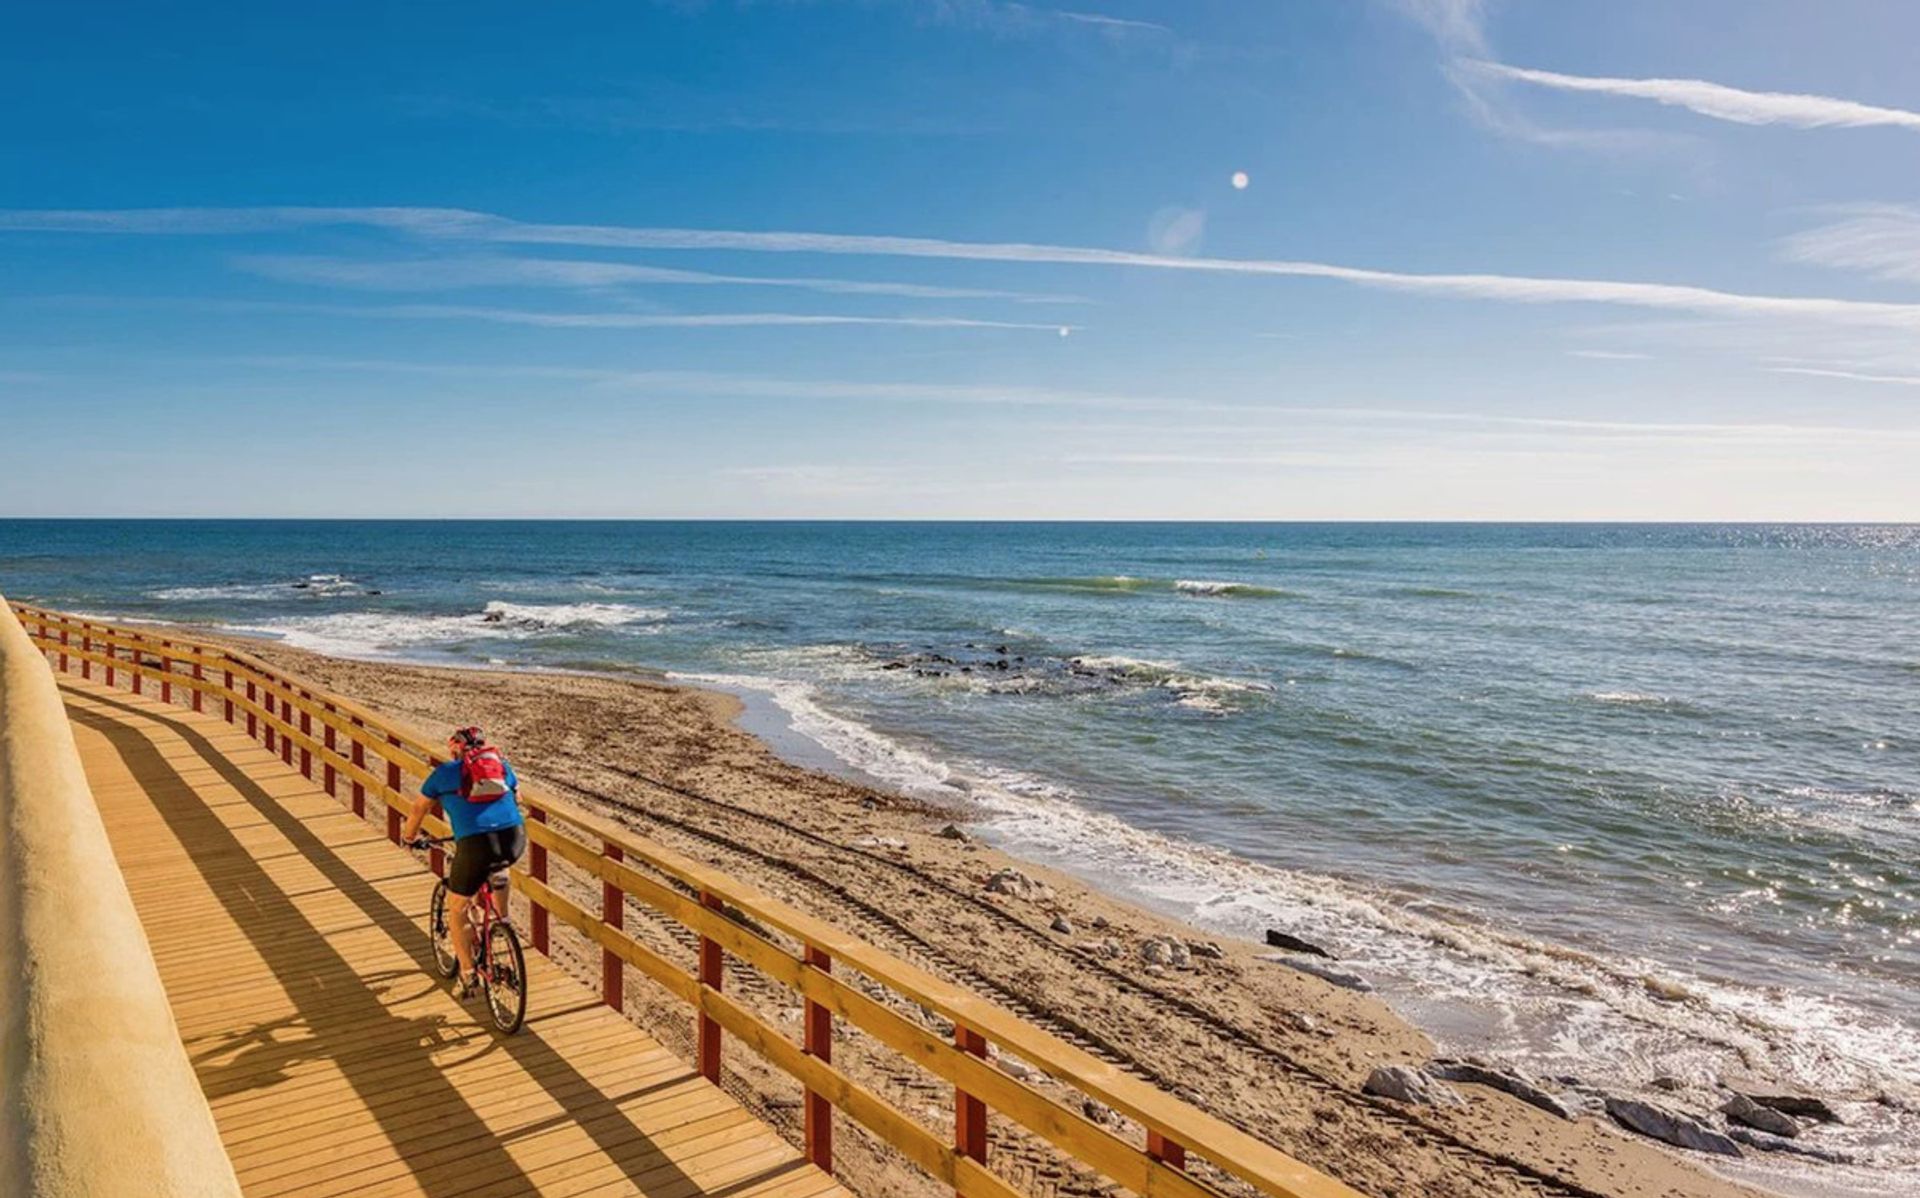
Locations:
{"points": [[499, 962]]}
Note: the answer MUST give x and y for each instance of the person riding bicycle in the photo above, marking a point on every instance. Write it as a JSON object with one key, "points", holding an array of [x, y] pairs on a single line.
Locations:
{"points": [[479, 792]]}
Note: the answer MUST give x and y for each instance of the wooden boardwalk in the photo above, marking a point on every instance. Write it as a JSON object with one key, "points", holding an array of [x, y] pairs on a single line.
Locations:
{"points": [[291, 940]]}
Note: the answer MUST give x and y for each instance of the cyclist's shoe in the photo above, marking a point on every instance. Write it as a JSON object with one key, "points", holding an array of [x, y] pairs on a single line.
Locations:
{"points": [[467, 987]]}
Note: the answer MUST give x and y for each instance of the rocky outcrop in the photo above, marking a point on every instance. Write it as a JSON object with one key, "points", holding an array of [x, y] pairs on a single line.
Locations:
{"points": [[1293, 944], [1404, 1084], [1767, 1143], [1165, 951], [1508, 1081], [1800, 1106], [1672, 1126], [1742, 1109]]}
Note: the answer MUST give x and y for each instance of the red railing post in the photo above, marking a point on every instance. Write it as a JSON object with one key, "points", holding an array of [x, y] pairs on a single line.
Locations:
{"points": [[1170, 1153], [86, 646], [112, 652], [393, 784], [613, 913], [712, 974], [63, 648], [199, 675], [166, 675], [328, 779], [359, 790], [226, 685], [266, 725], [969, 1113], [818, 1041], [306, 730], [537, 869], [286, 738], [135, 667]]}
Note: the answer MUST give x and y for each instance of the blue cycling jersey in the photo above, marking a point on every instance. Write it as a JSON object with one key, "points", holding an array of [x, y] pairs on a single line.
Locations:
{"points": [[471, 819]]}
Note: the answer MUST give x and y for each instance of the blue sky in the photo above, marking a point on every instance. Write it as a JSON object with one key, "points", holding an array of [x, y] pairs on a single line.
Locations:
{"points": [[1567, 260]]}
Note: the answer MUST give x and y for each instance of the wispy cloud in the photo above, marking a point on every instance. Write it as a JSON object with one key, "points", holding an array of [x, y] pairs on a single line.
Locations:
{"points": [[1717, 100], [453, 274], [1608, 355], [1853, 376], [1882, 240], [1112, 24], [1458, 28], [623, 320], [454, 224]]}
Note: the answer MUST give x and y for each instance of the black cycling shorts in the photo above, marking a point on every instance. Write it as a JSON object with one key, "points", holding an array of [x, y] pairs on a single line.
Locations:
{"points": [[476, 856]]}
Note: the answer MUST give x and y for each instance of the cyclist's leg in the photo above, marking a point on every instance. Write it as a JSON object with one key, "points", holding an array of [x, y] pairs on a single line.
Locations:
{"points": [[466, 874], [509, 844]]}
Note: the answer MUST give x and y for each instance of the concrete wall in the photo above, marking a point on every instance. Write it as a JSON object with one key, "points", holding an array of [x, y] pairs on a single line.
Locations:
{"points": [[97, 1096]]}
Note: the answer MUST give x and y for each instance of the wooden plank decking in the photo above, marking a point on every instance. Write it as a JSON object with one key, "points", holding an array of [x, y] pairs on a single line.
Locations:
{"points": [[291, 939]]}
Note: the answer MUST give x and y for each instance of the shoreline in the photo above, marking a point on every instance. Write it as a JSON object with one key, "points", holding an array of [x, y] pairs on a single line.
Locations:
{"points": [[1276, 1050]]}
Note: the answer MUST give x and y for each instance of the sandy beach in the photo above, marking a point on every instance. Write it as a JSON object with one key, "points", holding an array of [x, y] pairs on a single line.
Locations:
{"points": [[1277, 1051]]}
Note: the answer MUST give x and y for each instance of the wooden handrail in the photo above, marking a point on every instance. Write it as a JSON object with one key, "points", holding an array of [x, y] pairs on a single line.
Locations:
{"points": [[284, 709]]}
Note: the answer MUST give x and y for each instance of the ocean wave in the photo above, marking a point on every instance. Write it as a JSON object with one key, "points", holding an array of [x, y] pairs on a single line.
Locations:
{"points": [[571, 615], [1127, 584], [1628, 698], [1226, 590], [389, 634], [315, 585]]}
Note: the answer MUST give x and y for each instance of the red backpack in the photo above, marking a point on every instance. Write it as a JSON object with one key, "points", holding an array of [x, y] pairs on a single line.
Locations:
{"points": [[483, 774]]}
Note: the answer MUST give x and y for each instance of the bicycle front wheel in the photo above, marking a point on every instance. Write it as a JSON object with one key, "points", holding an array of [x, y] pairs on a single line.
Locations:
{"points": [[506, 978], [438, 931]]}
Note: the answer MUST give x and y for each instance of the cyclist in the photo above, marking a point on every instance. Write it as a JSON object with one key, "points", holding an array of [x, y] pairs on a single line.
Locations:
{"points": [[479, 792]]}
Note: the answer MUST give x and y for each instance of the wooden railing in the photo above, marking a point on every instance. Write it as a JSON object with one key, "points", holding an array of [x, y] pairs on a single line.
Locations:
{"points": [[306, 725]]}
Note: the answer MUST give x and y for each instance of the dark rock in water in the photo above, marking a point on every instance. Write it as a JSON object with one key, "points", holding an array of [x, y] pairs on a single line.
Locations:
{"points": [[1742, 1109], [1803, 1106], [894, 665], [302, 586], [1402, 1084], [494, 617], [1279, 939], [1000, 649], [1673, 1127], [1767, 1143], [1510, 1082], [1346, 981], [1061, 925]]}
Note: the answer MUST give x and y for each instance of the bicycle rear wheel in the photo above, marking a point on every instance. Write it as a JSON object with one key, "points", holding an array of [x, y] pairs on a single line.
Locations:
{"points": [[506, 978], [444, 957]]}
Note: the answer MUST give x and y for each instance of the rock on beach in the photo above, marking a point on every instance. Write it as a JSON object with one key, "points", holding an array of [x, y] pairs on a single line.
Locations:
{"points": [[1508, 1081], [1672, 1126], [1742, 1109], [1340, 978], [1403, 1084]]}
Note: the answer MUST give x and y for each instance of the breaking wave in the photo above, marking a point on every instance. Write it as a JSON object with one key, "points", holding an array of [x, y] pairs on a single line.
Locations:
{"points": [[393, 634]]}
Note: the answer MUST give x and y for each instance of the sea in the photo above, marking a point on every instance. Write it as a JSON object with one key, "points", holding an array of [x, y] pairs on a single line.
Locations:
{"points": [[1614, 802]]}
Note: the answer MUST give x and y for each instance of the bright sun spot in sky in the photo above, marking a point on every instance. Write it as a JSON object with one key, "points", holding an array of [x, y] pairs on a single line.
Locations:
{"points": [[1240, 180]]}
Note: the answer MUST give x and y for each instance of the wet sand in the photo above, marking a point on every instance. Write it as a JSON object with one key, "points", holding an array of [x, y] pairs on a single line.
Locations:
{"points": [[1277, 1052]]}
